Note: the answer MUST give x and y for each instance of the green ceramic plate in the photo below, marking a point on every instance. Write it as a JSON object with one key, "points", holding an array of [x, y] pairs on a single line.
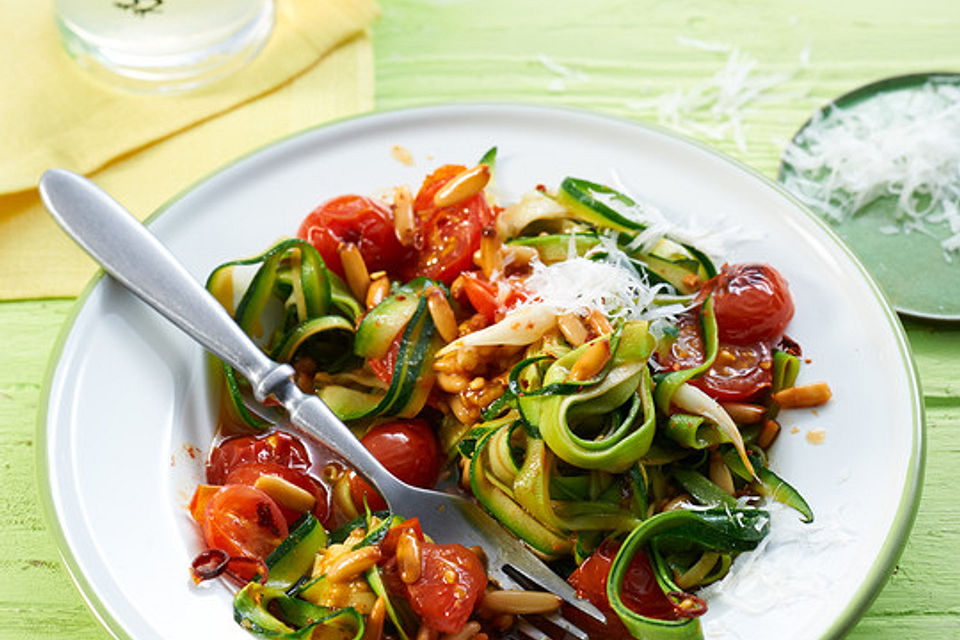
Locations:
{"points": [[909, 266]]}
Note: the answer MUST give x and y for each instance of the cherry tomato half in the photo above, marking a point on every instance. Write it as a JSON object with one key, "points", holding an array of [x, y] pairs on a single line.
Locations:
{"points": [[449, 235], [243, 521], [492, 299], [277, 446], [357, 219], [408, 449], [752, 303], [452, 580], [641, 592], [740, 371], [250, 472]]}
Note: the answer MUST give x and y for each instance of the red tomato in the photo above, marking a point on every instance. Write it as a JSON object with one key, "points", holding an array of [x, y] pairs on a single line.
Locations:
{"points": [[449, 235], [250, 472], [481, 294], [739, 372], [382, 367], [641, 592], [408, 449], [452, 580], [752, 303], [243, 521], [277, 446], [357, 219]]}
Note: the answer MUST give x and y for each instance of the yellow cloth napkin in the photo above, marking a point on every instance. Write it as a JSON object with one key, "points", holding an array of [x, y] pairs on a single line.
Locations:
{"points": [[54, 114], [37, 260]]}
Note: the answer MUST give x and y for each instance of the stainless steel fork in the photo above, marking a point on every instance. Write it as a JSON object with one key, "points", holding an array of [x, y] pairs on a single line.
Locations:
{"points": [[139, 261]]}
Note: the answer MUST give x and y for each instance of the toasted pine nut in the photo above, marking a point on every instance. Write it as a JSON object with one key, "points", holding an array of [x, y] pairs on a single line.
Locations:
{"points": [[720, 473], [463, 185], [600, 324], [286, 493], [442, 314], [451, 382], [358, 278], [404, 224], [352, 564], [342, 497], [477, 383], [426, 633], [808, 395], [491, 260], [677, 503], [519, 256], [409, 554], [377, 291], [744, 412], [461, 411], [469, 630], [520, 602], [591, 361], [769, 433], [373, 630], [572, 329]]}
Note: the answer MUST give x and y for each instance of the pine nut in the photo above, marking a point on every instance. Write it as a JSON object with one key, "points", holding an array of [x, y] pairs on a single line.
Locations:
{"points": [[373, 630], [442, 314], [426, 633], [520, 602], [451, 382], [286, 493], [720, 473], [461, 411], [491, 261], [404, 224], [469, 630], [358, 278], [744, 412], [769, 433], [352, 563], [477, 383], [377, 291], [572, 329], [679, 502], [409, 554], [600, 324], [691, 281], [808, 395], [519, 256], [464, 185], [591, 361]]}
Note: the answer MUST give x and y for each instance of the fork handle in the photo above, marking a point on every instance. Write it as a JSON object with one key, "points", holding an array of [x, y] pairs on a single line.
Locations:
{"points": [[142, 264]]}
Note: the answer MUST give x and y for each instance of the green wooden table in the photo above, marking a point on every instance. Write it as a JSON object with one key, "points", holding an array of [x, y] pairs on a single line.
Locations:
{"points": [[614, 56]]}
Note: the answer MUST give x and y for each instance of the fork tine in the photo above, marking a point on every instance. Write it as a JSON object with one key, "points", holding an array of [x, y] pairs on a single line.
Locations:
{"points": [[530, 631]]}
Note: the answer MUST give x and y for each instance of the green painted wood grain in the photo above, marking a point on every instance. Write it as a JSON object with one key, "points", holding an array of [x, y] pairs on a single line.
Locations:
{"points": [[623, 52]]}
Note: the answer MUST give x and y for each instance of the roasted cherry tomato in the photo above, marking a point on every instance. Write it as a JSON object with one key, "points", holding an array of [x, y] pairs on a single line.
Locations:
{"points": [[452, 580], [250, 472], [752, 303], [492, 299], [641, 591], [243, 521], [277, 446], [357, 219], [449, 235], [408, 449], [739, 372]]}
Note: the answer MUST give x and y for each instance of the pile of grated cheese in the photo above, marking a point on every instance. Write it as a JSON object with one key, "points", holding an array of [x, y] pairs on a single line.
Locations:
{"points": [[904, 144]]}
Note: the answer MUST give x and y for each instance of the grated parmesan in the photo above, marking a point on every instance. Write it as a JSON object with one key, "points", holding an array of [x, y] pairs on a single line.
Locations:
{"points": [[900, 144]]}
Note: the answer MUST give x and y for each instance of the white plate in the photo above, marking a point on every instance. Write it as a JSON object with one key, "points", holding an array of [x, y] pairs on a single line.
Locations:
{"points": [[126, 410]]}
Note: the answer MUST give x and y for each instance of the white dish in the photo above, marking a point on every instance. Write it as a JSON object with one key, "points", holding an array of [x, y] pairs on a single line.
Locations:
{"points": [[127, 417]]}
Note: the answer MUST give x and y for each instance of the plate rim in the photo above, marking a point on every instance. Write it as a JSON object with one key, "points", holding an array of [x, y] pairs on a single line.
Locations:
{"points": [[855, 96], [907, 507]]}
